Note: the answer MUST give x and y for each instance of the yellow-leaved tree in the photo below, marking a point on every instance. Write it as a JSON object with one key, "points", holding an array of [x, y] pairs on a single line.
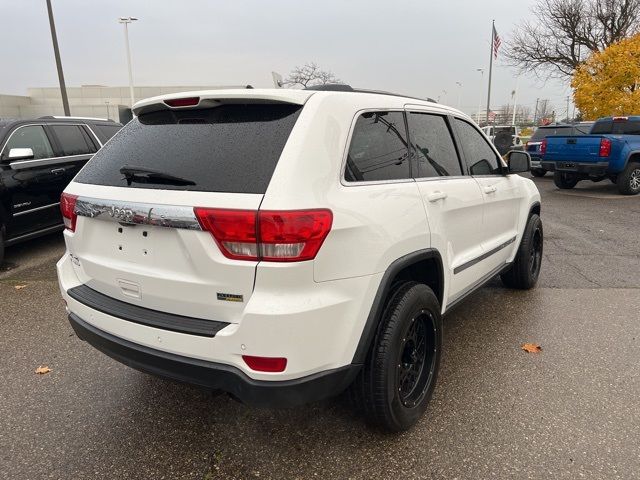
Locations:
{"points": [[608, 82]]}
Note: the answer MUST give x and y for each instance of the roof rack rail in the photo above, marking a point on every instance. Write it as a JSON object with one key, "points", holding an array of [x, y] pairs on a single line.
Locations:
{"points": [[62, 117], [341, 87]]}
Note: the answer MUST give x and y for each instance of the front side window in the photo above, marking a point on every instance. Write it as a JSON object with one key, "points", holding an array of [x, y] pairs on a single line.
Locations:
{"points": [[434, 149], [378, 149], [33, 137], [72, 140], [480, 157]]}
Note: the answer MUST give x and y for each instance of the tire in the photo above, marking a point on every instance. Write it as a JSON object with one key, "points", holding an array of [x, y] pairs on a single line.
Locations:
{"points": [[395, 385], [525, 270], [538, 172], [629, 180], [565, 180]]}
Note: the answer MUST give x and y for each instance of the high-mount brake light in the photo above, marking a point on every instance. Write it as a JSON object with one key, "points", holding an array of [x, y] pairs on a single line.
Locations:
{"points": [[620, 119], [543, 147], [267, 235], [605, 147], [183, 102], [67, 208]]}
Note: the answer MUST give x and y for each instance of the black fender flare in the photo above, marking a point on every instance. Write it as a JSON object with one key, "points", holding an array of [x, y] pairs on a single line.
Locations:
{"points": [[379, 302]]}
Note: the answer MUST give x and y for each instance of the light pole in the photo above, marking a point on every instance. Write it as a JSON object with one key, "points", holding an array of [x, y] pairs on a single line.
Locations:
{"points": [[126, 21], [459, 84], [481, 70], [56, 52]]}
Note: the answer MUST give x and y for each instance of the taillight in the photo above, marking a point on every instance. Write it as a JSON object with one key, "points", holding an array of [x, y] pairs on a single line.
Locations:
{"points": [[234, 230], [543, 147], [67, 207], [265, 364], [605, 147], [183, 102], [273, 236]]}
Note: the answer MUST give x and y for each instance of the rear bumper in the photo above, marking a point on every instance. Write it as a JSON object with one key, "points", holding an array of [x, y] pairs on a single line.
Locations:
{"points": [[261, 393], [588, 169]]}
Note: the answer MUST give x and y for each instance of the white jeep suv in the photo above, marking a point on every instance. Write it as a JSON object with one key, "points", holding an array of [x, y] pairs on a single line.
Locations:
{"points": [[284, 245]]}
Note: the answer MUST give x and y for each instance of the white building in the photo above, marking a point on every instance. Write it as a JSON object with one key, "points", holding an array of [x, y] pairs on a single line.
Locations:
{"points": [[85, 101]]}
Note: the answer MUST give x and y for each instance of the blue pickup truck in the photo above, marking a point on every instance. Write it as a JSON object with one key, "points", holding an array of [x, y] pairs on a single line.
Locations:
{"points": [[610, 151]]}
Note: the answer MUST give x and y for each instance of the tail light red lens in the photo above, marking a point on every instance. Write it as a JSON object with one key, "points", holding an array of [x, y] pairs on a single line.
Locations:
{"points": [[183, 102], [67, 207], [273, 236], [235, 231], [265, 364], [605, 147], [543, 147]]}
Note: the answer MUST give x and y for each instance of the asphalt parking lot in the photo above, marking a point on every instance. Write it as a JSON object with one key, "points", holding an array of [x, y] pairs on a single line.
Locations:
{"points": [[571, 411]]}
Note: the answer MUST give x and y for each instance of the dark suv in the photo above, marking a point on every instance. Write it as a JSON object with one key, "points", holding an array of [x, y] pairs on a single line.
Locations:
{"points": [[38, 158]]}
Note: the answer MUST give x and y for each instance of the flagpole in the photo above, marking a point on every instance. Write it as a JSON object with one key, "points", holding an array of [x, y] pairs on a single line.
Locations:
{"points": [[493, 29]]}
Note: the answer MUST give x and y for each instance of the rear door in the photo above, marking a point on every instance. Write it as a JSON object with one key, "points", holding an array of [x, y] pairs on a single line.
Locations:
{"points": [[451, 198], [75, 146], [502, 194], [32, 187], [137, 237]]}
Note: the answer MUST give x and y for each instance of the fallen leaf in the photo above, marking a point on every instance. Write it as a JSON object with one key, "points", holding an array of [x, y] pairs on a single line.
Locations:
{"points": [[531, 347], [42, 369], [19, 287]]}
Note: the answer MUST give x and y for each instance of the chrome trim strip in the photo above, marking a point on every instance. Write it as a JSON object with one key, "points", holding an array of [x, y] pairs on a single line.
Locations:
{"points": [[94, 136], [37, 233], [24, 212], [484, 256], [22, 164], [135, 213]]}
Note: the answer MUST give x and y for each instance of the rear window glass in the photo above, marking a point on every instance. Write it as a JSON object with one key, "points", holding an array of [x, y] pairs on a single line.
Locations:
{"points": [[73, 140], [105, 132], [379, 149], [542, 132], [230, 148], [623, 127]]}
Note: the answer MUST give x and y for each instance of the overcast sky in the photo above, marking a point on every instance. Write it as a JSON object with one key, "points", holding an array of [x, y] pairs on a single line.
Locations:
{"points": [[420, 48]]}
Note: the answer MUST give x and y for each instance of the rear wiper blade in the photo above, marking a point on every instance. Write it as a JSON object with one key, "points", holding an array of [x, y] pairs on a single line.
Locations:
{"points": [[146, 175]]}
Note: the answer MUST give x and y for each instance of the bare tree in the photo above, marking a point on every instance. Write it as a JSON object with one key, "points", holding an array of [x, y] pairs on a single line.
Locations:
{"points": [[545, 110], [565, 32], [310, 74]]}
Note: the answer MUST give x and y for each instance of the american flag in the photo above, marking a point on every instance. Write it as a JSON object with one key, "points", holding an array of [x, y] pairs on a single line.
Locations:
{"points": [[496, 43]]}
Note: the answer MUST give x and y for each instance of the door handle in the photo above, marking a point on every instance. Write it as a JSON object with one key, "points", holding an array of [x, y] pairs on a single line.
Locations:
{"points": [[435, 196], [58, 171], [490, 189]]}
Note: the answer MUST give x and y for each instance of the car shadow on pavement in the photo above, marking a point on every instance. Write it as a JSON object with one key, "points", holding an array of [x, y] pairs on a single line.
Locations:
{"points": [[31, 260]]}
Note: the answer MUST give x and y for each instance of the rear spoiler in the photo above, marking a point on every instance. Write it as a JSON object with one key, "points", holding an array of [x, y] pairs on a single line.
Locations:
{"points": [[213, 98]]}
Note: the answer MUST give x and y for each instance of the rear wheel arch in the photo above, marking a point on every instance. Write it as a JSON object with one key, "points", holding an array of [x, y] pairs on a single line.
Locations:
{"points": [[422, 266], [534, 208]]}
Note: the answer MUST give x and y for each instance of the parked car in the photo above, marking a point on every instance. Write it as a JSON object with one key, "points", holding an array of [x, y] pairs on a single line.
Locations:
{"points": [[534, 143], [504, 137], [611, 150], [284, 245], [38, 158]]}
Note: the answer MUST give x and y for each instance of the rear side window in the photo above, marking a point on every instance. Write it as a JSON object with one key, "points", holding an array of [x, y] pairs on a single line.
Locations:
{"points": [[72, 139], [230, 148], [480, 157], [434, 149], [378, 149], [31, 136], [621, 127], [105, 132]]}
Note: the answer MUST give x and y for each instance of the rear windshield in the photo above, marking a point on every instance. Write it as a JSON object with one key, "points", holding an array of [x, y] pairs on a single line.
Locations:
{"points": [[230, 148], [620, 127], [542, 132]]}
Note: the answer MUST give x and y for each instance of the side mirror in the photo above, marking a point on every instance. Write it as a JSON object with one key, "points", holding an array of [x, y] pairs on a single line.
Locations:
{"points": [[21, 154], [518, 161]]}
